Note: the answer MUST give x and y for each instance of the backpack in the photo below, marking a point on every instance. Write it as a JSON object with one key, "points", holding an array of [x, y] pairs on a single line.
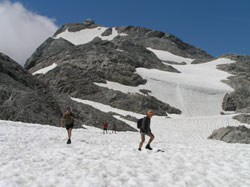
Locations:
{"points": [[139, 123]]}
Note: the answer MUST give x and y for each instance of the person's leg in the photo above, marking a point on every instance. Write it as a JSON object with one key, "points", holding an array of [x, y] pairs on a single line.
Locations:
{"points": [[150, 140], [69, 133], [142, 141], [152, 137]]}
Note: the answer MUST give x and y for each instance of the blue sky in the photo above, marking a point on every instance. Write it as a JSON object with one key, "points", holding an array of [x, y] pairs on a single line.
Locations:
{"points": [[217, 26]]}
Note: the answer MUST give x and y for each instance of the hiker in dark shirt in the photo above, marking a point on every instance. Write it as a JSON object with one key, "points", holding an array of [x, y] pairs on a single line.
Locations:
{"points": [[68, 118], [145, 130], [114, 128]]}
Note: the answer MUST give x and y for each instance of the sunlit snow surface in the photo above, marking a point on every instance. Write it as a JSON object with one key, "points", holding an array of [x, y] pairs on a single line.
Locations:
{"points": [[86, 35], [37, 155]]}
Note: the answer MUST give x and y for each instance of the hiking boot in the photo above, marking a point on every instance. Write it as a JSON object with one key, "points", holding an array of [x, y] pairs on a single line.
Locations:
{"points": [[148, 147], [69, 141], [139, 149]]}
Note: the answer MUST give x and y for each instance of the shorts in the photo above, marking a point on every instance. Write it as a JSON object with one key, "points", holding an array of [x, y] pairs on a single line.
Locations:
{"points": [[70, 126], [105, 129], [146, 133]]}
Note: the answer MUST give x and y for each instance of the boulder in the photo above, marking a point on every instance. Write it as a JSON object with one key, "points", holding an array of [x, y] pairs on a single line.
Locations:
{"points": [[231, 134]]}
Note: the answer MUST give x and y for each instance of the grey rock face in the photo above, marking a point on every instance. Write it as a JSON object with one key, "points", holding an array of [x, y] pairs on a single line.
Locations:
{"points": [[23, 97], [74, 27], [244, 118], [50, 48], [230, 134], [107, 32], [239, 100]]}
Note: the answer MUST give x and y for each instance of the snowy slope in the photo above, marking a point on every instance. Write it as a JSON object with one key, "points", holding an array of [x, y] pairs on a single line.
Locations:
{"points": [[198, 90], [86, 35], [37, 155], [167, 56]]}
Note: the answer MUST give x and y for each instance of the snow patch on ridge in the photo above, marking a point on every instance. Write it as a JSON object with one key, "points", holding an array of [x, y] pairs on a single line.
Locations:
{"points": [[86, 35], [46, 69], [167, 56], [120, 87]]}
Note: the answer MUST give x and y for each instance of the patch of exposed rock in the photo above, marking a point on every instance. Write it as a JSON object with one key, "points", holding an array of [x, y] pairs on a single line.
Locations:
{"points": [[230, 134]]}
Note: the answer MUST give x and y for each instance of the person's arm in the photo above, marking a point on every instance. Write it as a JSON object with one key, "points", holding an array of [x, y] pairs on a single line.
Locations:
{"points": [[62, 122]]}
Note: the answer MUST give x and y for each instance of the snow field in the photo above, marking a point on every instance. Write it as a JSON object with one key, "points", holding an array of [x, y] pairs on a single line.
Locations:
{"points": [[197, 91], [86, 35], [37, 155]]}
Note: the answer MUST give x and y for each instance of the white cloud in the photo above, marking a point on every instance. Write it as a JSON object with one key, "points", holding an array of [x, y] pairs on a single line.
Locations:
{"points": [[22, 31]]}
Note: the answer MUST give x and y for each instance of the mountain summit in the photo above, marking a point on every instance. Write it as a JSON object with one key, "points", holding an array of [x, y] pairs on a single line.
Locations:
{"points": [[134, 69]]}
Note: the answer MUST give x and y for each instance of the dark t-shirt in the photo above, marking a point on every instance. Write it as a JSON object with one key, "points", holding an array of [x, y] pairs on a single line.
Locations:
{"points": [[145, 128], [69, 118]]}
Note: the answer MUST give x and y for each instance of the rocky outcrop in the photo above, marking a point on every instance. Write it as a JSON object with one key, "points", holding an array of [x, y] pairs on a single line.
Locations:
{"points": [[239, 100], [77, 26], [48, 49], [24, 98], [230, 134], [107, 32], [161, 41], [79, 67], [243, 118]]}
